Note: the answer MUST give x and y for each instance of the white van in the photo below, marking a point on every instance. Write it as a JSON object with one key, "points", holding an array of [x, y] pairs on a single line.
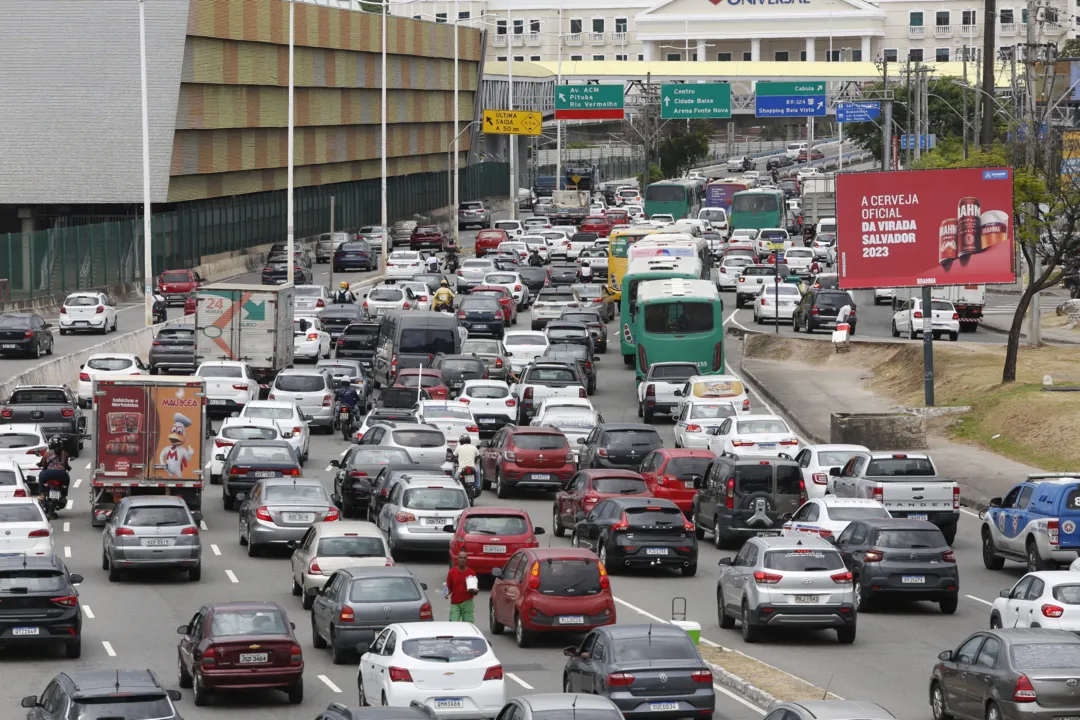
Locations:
{"points": [[794, 148]]}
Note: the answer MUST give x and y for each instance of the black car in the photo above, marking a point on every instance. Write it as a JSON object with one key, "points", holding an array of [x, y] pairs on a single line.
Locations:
{"points": [[53, 407], [401, 398], [40, 605], [380, 490], [356, 472], [103, 694], [456, 369], [901, 559], [790, 187], [481, 315], [277, 273], [638, 532], [775, 162], [25, 334], [536, 278], [580, 354], [338, 316], [618, 445], [819, 308], [173, 350], [592, 320], [356, 255], [357, 340], [563, 273], [251, 460]]}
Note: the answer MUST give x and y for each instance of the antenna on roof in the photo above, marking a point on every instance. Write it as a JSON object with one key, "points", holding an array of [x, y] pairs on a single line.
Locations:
{"points": [[827, 686], [118, 680], [573, 708]]}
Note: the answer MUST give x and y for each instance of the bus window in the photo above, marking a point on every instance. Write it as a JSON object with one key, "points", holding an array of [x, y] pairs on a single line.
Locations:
{"points": [[754, 203], [666, 193], [679, 318]]}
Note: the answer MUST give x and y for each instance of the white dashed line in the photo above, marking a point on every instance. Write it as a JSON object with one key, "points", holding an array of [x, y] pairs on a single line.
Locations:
{"points": [[108, 648], [88, 612], [71, 503], [970, 512], [207, 465], [329, 683], [342, 454], [67, 527], [329, 468], [979, 599], [215, 549], [89, 465], [202, 525], [77, 483], [519, 681], [67, 551], [232, 576]]}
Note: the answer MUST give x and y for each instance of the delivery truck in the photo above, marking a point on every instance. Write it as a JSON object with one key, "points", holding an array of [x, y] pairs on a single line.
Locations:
{"points": [[148, 440], [969, 301], [818, 199], [252, 324]]}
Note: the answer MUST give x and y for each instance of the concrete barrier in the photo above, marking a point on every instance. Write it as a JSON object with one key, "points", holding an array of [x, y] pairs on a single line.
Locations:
{"points": [[878, 431]]}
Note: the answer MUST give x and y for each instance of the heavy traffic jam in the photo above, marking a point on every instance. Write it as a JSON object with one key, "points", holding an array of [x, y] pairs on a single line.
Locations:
{"points": [[424, 482]]}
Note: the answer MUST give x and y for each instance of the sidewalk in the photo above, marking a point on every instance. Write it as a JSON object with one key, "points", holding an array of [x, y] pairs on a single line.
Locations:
{"points": [[808, 395]]}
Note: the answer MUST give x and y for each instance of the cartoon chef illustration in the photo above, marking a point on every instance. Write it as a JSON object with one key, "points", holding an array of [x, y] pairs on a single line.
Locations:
{"points": [[174, 457]]}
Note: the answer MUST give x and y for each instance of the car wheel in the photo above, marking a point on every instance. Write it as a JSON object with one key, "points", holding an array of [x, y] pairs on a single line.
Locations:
{"points": [[49, 349], [297, 591], [494, 625], [640, 412], [990, 559], [556, 526], [995, 622], [649, 416], [846, 635], [338, 654], [954, 336], [114, 572], [911, 331], [750, 633], [602, 555], [307, 600], [63, 331], [725, 621], [948, 605], [296, 692], [252, 549], [183, 677], [794, 325], [521, 635], [200, 695], [1034, 562], [240, 533], [575, 541], [937, 703], [104, 560], [316, 639], [566, 686], [502, 491], [226, 500], [862, 601], [895, 332], [717, 535]]}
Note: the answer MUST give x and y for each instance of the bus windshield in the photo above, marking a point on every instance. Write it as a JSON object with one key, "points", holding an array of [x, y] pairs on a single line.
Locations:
{"points": [[755, 202], [666, 193], [679, 318]]}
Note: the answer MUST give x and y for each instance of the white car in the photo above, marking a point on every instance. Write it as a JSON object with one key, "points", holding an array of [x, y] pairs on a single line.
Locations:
{"points": [[12, 480], [826, 517], [883, 295], [634, 211], [24, 529], [697, 417], [556, 240], [766, 303], [576, 423], [232, 430], [800, 261], [559, 404], [513, 284], [743, 235], [490, 402], [753, 435], [794, 148], [908, 320], [539, 244], [87, 311], [815, 462], [403, 264], [661, 219], [230, 385], [1047, 599], [425, 444], [311, 299], [291, 423], [628, 196], [727, 275], [310, 339], [597, 208], [523, 347], [809, 172], [821, 247], [23, 444], [103, 366], [513, 228], [537, 222], [421, 293], [514, 247], [447, 666], [388, 296], [751, 174], [454, 418]]}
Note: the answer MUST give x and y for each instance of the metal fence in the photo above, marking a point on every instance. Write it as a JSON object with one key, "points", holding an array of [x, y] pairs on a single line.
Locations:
{"points": [[78, 257]]}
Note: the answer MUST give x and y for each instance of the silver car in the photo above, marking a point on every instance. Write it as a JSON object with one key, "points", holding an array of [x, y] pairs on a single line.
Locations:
{"points": [[425, 444], [312, 391], [151, 532], [780, 582], [416, 511], [473, 272], [280, 510], [311, 300], [374, 235], [550, 303], [473, 213], [387, 297], [492, 352], [325, 245]]}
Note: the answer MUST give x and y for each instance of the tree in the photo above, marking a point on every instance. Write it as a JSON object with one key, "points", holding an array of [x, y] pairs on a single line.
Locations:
{"points": [[655, 175], [681, 149], [1070, 49], [372, 8]]}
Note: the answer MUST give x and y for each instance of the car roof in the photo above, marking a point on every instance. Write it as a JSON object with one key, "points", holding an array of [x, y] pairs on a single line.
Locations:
{"points": [[415, 426], [91, 683], [155, 500], [686, 452], [439, 629], [842, 709], [898, 455], [486, 383], [301, 371], [633, 630], [344, 528], [291, 481], [794, 543], [759, 416], [606, 427], [244, 605], [541, 702], [495, 510], [270, 403], [533, 430], [832, 448], [594, 473], [441, 481], [1035, 635], [1056, 576], [31, 562], [899, 524]]}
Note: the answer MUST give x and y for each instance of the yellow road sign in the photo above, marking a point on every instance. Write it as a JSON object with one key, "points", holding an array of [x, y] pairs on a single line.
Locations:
{"points": [[576, 179], [512, 122]]}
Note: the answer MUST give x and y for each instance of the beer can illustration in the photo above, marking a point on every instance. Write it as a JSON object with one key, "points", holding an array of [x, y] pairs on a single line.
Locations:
{"points": [[967, 227], [993, 228], [947, 242]]}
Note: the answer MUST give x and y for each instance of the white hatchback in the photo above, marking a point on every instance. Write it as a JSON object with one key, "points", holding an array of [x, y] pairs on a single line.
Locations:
{"points": [[815, 462], [766, 307], [1047, 599], [753, 435], [12, 480], [491, 404], [310, 339], [454, 418], [697, 417], [23, 444], [826, 517], [24, 529], [290, 422], [908, 320], [514, 285], [87, 311], [539, 244], [512, 228], [727, 275], [230, 385], [104, 366]]}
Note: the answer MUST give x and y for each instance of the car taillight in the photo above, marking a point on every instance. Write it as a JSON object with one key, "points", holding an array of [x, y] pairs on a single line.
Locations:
{"points": [[100, 309], [331, 515], [270, 396], [263, 514], [762, 299], [789, 441], [63, 310], [461, 315], [1024, 692], [313, 336], [767, 578], [319, 303], [1052, 611], [39, 533], [191, 530], [7, 412], [955, 316], [693, 428], [20, 492], [582, 393], [956, 498], [918, 314], [878, 494], [346, 615], [365, 305], [296, 430], [67, 600], [702, 676], [296, 655], [425, 612], [495, 672], [357, 474], [723, 270], [802, 489], [209, 656], [510, 402], [843, 578], [621, 679], [730, 498], [813, 310], [534, 576], [400, 675], [1052, 531], [873, 556], [84, 377], [403, 516]]}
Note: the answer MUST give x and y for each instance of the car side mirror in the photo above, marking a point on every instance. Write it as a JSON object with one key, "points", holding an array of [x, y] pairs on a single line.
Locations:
{"points": [[539, 531], [834, 472], [182, 630], [785, 517], [496, 572], [174, 695], [945, 655], [570, 651], [723, 561], [291, 545], [30, 701], [335, 464], [220, 456], [1005, 593], [76, 579], [995, 502]]}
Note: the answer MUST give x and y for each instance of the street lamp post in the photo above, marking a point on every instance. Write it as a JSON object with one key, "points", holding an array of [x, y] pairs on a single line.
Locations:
{"points": [[383, 203], [148, 256], [457, 155]]}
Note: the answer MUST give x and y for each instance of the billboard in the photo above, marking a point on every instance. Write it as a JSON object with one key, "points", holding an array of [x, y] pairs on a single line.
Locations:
{"points": [[925, 227]]}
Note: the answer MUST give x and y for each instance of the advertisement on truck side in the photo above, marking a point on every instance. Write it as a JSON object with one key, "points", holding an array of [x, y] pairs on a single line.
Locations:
{"points": [[925, 227]]}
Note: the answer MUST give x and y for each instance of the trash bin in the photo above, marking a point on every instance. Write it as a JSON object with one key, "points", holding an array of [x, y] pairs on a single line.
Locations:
{"points": [[693, 629]]}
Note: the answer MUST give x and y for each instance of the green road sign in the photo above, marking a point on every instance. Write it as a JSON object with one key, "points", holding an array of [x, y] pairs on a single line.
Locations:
{"points": [[682, 101], [589, 102], [803, 87]]}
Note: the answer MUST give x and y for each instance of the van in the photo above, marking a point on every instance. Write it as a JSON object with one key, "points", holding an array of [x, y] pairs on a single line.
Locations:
{"points": [[794, 148], [826, 225], [412, 339]]}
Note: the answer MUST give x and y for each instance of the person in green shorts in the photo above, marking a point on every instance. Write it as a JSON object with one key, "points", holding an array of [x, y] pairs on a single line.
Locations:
{"points": [[461, 595]]}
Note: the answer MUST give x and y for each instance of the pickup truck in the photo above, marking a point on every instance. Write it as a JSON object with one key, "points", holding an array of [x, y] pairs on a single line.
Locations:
{"points": [[907, 484], [543, 380], [53, 407], [658, 392], [1037, 523]]}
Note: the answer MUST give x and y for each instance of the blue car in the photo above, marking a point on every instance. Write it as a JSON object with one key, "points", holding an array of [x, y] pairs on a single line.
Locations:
{"points": [[354, 256]]}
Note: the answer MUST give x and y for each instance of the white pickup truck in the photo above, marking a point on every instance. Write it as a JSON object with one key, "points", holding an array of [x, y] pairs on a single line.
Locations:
{"points": [[656, 393], [542, 380], [907, 484]]}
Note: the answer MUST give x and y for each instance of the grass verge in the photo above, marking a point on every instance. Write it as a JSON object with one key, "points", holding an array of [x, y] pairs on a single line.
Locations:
{"points": [[776, 682]]}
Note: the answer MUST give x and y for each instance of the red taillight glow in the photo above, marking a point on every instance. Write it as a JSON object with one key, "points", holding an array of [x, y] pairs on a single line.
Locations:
{"points": [[124, 531], [843, 578], [948, 556], [331, 515], [192, 530], [1052, 611], [425, 612], [495, 672], [820, 479], [873, 556], [1024, 692], [84, 377], [67, 600], [400, 675], [39, 533], [20, 492], [878, 494], [403, 516], [730, 497], [263, 514], [6, 412], [100, 309], [346, 615], [767, 578], [702, 676], [296, 655], [621, 679], [209, 656], [1052, 532]]}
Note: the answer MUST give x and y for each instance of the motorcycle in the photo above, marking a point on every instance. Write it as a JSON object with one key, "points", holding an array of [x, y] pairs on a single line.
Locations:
{"points": [[467, 477], [345, 422], [452, 262], [446, 307], [159, 311], [54, 500]]}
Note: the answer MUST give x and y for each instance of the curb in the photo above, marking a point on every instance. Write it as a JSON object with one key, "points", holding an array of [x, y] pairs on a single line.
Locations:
{"points": [[769, 395], [1023, 336], [742, 688]]}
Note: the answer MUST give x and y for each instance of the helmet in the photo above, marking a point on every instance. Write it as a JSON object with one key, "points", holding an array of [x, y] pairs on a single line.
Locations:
{"points": [[464, 439], [343, 285], [56, 443], [443, 283]]}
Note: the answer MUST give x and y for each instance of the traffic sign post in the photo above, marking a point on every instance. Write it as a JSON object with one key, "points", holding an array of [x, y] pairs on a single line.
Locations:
{"points": [[857, 112], [512, 122], [805, 98], [679, 101], [589, 102]]}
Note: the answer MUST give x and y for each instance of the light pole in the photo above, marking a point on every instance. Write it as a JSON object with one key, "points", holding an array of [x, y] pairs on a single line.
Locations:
{"points": [[383, 221], [457, 156], [558, 123], [148, 256], [289, 228], [511, 139]]}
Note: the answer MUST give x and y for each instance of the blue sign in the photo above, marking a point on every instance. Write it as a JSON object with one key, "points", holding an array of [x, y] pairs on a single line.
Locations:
{"points": [[926, 142], [790, 106], [995, 174], [857, 111]]}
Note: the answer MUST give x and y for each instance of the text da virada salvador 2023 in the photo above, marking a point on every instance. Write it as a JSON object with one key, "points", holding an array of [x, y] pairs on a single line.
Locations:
{"points": [[883, 221]]}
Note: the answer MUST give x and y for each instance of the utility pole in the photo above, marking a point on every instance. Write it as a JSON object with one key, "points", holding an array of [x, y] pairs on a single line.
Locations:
{"points": [[907, 113], [887, 131], [1031, 138], [926, 105], [965, 58], [916, 136], [978, 86], [989, 52], [646, 109]]}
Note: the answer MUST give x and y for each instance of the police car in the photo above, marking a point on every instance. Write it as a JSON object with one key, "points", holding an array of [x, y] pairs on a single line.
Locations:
{"points": [[1036, 523]]}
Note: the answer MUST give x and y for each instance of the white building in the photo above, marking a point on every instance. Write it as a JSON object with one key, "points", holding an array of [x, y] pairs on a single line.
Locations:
{"points": [[740, 30]]}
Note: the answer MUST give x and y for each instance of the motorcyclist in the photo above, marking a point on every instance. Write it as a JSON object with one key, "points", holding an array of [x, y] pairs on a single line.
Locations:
{"points": [[432, 263], [451, 255], [347, 396], [55, 467], [534, 259], [585, 272], [465, 454], [344, 295], [161, 313], [444, 296]]}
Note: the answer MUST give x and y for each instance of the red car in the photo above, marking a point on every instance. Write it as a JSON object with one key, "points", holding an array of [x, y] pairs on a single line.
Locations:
{"points": [[191, 303], [673, 473], [175, 285], [589, 487], [522, 458], [506, 300], [550, 590], [598, 224], [431, 380], [814, 154], [240, 646], [490, 535], [427, 236], [487, 241], [617, 216]]}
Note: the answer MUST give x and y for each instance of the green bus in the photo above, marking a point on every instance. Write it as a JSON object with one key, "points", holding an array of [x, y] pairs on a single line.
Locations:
{"points": [[639, 271], [758, 209], [679, 320], [678, 198]]}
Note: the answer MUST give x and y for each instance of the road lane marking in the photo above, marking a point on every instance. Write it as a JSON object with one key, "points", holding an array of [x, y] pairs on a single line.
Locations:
{"points": [[979, 599], [108, 648], [202, 525], [744, 701], [77, 483], [67, 527], [215, 549], [71, 503], [970, 512], [207, 465], [329, 683], [88, 612], [329, 468], [67, 551], [519, 681], [639, 611], [342, 453], [231, 576], [89, 465]]}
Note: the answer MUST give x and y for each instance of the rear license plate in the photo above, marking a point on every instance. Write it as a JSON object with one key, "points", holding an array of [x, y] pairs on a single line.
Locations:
{"points": [[809, 599], [81, 322], [299, 517], [767, 446], [432, 521], [449, 703], [248, 658], [913, 579], [541, 476], [656, 551], [917, 516], [571, 619], [768, 533], [24, 631], [8, 346], [487, 421], [688, 484], [664, 706], [157, 542], [480, 327], [54, 494], [495, 549], [217, 402], [265, 473]]}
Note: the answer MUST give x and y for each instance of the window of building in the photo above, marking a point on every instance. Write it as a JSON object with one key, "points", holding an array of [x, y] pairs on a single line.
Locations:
{"points": [[1006, 53], [519, 27], [915, 19], [1023, 15], [500, 58], [941, 55], [598, 25], [417, 17], [890, 55], [621, 57], [640, 57], [534, 58], [621, 24], [856, 55], [1006, 16], [440, 17], [500, 27], [598, 58], [969, 17], [576, 25], [915, 54], [942, 18], [1050, 15], [575, 58], [463, 15], [802, 55], [833, 55], [534, 25], [673, 57], [780, 56], [747, 56], [726, 57], [519, 58]]}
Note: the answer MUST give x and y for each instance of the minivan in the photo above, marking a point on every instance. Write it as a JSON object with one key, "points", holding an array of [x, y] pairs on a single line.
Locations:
{"points": [[413, 339], [312, 391]]}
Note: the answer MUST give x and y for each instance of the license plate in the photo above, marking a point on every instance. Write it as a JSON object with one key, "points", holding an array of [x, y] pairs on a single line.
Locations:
{"points": [[768, 533], [8, 346], [913, 579], [264, 474], [664, 706], [541, 476], [487, 421], [432, 521], [217, 402], [495, 549], [299, 517], [81, 322], [571, 619], [449, 703], [54, 494], [480, 327], [917, 516], [248, 658], [767, 446], [688, 484], [157, 542], [656, 551], [24, 631], [811, 599]]}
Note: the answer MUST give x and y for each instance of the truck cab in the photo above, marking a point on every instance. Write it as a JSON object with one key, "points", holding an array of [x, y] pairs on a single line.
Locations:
{"points": [[1037, 523]]}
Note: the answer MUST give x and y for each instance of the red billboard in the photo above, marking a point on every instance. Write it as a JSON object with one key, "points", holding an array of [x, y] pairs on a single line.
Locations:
{"points": [[925, 227]]}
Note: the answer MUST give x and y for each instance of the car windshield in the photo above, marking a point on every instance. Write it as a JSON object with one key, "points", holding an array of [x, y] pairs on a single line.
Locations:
{"points": [[21, 580], [623, 439], [835, 458], [799, 253], [803, 560], [847, 514], [909, 539], [427, 380], [554, 296], [300, 383], [495, 525], [480, 303], [900, 467], [525, 339], [1068, 594], [1045, 656], [309, 290], [754, 427], [113, 706], [419, 438], [487, 392], [384, 590], [557, 334], [349, 546], [445, 649], [620, 486], [8, 478], [687, 467], [258, 454], [941, 305], [540, 441], [569, 577], [386, 295], [570, 418], [551, 374], [435, 498], [302, 494], [736, 261], [427, 341], [248, 622], [175, 277], [222, 371], [109, 364], [366, 334], [482, 347], [268, 413], [38, 397], [156, 516], [654, 647], [447, 413], [713, 410], [176, 334], [352, 247], [15, 441], [242, 432]]}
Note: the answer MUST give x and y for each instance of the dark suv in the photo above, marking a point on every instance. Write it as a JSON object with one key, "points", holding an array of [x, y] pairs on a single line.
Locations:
{"points": [[818, 310], [743, 496], [173, 349], [618, 445], [103, 693], [40, 603]]}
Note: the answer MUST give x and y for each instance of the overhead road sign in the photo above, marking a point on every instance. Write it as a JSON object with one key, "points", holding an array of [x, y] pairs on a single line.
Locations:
{"points": [[925, 142], [512, 122], [680, 101], [589, 102], [857, 111], [804, 98]]}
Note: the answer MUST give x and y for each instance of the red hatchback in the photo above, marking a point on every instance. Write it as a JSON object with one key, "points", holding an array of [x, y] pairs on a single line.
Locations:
{"points": [[487, 241], [426, 236], [598, 224], [191, 303], [671, 473], [589, 487], [490, 535], [240, 646], [526, 458], [506, 300], [175, 285], [550, 590], [431, 380]]}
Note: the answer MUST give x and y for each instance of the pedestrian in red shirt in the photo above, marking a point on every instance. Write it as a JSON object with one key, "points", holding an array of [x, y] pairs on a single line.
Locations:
{"points": [[461, 591]]}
